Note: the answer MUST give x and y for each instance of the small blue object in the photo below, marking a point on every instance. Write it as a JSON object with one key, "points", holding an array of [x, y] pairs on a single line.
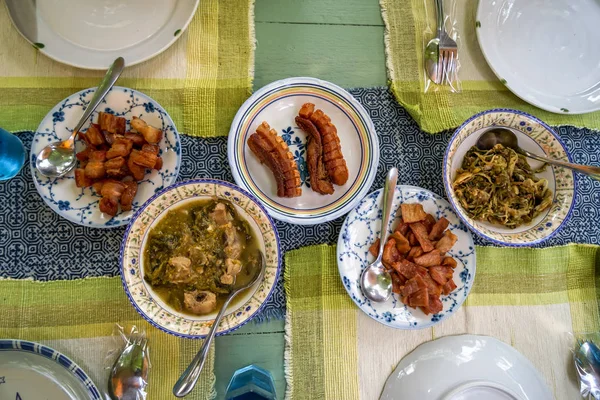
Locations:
{"points": [[12, 155], [251, 383]]}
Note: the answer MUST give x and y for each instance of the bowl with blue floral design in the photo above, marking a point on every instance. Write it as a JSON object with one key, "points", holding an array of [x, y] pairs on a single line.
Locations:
{"points": [[362, 228], [81, 205], [534, 136]]}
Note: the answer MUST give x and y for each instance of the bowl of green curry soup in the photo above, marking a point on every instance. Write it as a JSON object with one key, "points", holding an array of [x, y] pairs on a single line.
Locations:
{"points": [[188, 247], [502, 196]]}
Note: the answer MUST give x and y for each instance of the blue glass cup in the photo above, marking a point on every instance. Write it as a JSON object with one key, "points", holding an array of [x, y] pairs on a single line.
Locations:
{"points": [[251, 383], [12, 155]]}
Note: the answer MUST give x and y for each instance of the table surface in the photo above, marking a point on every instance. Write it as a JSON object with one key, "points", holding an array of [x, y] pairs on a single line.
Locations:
{"points": [[339, 41]]}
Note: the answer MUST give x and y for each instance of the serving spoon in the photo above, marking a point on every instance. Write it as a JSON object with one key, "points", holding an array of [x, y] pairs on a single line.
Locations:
{"points": [[507, 138], [375, 281], [58, 158], [188, 379]]}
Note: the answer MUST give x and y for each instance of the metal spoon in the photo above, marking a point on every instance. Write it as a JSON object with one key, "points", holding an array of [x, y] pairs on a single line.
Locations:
{"points": [[432, 50], [375, 281], [188, 379], [57, 159], [507, 138], [129, 375]]}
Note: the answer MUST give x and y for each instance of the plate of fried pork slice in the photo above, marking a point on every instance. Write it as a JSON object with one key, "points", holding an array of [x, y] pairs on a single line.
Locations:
{"points": [[127, 152], [305, 148], [429, 253]]}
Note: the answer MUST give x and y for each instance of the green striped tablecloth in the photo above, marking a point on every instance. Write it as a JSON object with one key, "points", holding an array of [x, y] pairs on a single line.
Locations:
{"points": [[201, 80], [77, 318], [529, 298], [435, 111]]}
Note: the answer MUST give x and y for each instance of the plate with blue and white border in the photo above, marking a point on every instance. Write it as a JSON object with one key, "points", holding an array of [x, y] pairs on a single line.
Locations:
{"points": [[363, 226], [31, 370], [80, 205]]}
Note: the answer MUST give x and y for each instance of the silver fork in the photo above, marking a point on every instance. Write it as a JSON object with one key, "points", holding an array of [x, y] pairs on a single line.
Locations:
{"points": [[448, 50]]}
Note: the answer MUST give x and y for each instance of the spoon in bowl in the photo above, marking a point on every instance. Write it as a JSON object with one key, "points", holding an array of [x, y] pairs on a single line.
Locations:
{"points": [[507, 138], [188, 379], [375, 281], [57, 159]]}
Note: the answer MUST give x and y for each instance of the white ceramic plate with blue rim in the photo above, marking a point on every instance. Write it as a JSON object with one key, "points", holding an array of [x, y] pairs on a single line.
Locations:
{"points": [[80, 205], [98, 31], [520, 38], [534, 136], [30, 370], [363, 226], [278, 104]]}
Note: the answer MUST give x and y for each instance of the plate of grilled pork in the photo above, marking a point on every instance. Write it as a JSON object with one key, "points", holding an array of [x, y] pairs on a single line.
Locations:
{"points": [[305, 148]]}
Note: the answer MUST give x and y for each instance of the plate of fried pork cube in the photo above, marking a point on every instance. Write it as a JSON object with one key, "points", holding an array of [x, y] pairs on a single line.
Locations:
{"points": [[305, 148], [429, 254], [128, 151]]}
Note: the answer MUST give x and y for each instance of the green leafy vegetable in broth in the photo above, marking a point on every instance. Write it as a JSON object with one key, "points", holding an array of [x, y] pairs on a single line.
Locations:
{"points": [[196, 252], [499, 186]]}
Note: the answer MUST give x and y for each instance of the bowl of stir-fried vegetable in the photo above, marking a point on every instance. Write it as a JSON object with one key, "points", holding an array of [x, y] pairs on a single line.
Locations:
{"points": [[501, 195], [189, 247]]}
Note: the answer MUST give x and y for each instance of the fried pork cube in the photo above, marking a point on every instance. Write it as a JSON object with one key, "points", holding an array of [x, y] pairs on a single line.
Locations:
{"points": [[83, 155], [136, 138], [137, 171], [128, 195], [144, 159], [159, 164], [446, 242], [81, 180], [109, 206], [98, 186], [112, 189], [412, 213], [151, 148], [111, 123], [94, 135], [109, 137], [150, 133], [95, 167], [121, 147], [116, 167]]}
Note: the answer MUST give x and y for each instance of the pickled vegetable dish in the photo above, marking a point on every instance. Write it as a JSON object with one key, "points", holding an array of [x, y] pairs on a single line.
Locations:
{"points": [[197, 252], [500, 187]]}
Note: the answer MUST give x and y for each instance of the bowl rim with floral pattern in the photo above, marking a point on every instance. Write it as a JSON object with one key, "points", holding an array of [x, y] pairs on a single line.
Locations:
{"points": [[146, 301], [541, 139]]}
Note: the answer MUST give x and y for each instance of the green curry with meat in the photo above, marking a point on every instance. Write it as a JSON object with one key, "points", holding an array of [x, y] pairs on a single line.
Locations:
{"points": [[196, 254]]}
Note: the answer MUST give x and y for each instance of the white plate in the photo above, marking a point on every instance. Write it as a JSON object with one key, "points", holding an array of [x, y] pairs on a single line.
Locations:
{"points": [[80, 205], [91, 34], [362, 227], [32, 371], [465, 367], [278, 104], [546, 51]]}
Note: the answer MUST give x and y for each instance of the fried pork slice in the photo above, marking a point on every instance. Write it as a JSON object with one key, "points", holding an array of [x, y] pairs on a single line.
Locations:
{"points": [[446, 242], [150, 133], [272, 151], [111, 123], [332, 149], [128, 195], [438, 229], [420, 232], [121, 147], [429, 259], [319, 179], [412, 213]]}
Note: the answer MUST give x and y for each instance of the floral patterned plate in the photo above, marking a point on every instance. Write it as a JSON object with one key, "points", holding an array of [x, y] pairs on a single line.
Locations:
{"points": [[154, 309], [534, 136], [362, 227], [80, 205], [278, 104]]}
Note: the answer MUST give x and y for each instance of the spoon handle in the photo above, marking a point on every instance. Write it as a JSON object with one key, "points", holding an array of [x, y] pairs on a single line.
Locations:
{"points": [[439, 8], [189, 377], [388, 198], [113, 73], [592, 171]]}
